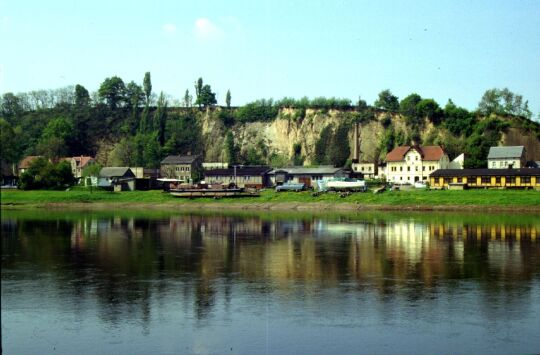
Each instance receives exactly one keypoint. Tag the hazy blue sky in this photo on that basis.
(438, 49)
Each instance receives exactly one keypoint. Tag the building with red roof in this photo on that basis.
(409, 164)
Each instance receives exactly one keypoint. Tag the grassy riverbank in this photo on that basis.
(447, 200)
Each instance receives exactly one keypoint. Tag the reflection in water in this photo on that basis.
(138, 269)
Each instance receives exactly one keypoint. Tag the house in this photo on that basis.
(510, 157)
(485, 178)
(308, 176)
(210, 166)
(182, 167)
(408, 164)
(368, 170)
(26, 162)
(78, 164)
(117, 178)
(241, 176)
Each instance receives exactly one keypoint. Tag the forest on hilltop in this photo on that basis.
(130, 125)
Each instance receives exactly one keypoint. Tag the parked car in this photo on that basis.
(290, 186)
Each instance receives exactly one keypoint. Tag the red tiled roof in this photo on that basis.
(428, 153)
(27, 161)
(82, 161)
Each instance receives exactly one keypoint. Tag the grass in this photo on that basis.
(494, 198)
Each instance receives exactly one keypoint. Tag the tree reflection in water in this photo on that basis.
(132, 265)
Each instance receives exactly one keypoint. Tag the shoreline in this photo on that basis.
(266, 206)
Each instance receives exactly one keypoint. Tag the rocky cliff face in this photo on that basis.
(281, 134)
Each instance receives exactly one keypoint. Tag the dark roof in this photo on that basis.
(300, 170)
(506, 152)
(180, 159)
(110, 172)
(485, 172)
(240, 171)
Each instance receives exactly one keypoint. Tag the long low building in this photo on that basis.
(241, 176)
(305, 175)
(525, 178)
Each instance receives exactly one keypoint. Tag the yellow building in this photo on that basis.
(526, 178)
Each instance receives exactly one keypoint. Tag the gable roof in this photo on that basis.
(240, 171)
(82, 161)
(110, 172)
(27, 161)
(428, 153)
(506, 152)
(300, 170)
(180, 159)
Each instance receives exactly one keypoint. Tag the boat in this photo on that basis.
(214, 191)
(346, 185)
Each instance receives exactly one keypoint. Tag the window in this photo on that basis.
(447, 180)
(416, 168)
(486, 180)
(416, 158)
(423, 168)
(497, 180)
(460, 179)
(400, 168)
(526, 180)
(408, 168)
(510, 180)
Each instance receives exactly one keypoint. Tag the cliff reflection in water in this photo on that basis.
(203, 260)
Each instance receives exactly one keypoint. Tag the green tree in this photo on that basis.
(8, 142)
(408, 106)
(207, 97)
(112, 91)
(323, 145)
(10, 106)
(340, 149)
(430, 109)
(82, 97)
(231, 149)
(503, 102)
(187, 99)
(147, 87)
(387, 101)
(160, 118)
(44, 175)
(198, 91)
(152, 150)
(228, 99)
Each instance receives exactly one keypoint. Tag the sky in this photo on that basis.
(272, 49)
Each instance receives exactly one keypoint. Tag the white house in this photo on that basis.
(511, 157)
(408, 164)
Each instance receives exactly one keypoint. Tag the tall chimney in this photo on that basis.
(356, 146)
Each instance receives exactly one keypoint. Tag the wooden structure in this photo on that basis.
(241, 176)
(526, 178)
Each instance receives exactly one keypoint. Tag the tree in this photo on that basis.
(55, 138)
(198, 90)
(231, 149)
(503, 102)
(10, 106)
(339, 149)
(42, 174)
(207, 97)
(82, 97)
(112, 91)
(323, 144)
(361, 104)
(387, 101)
(8, 142)
(147, 87)
(187, 99)
(160, 118)
(430, 109)
(228, 99)
(408, 106)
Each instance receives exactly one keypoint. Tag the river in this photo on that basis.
(142, 282)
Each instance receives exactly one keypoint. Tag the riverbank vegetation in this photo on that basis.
(414, 199)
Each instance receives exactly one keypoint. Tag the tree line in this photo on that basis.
(143, 126)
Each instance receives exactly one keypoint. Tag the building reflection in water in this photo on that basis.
(129, 263)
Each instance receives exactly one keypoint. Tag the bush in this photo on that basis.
(43, 174)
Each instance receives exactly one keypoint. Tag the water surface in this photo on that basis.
(161, 282)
